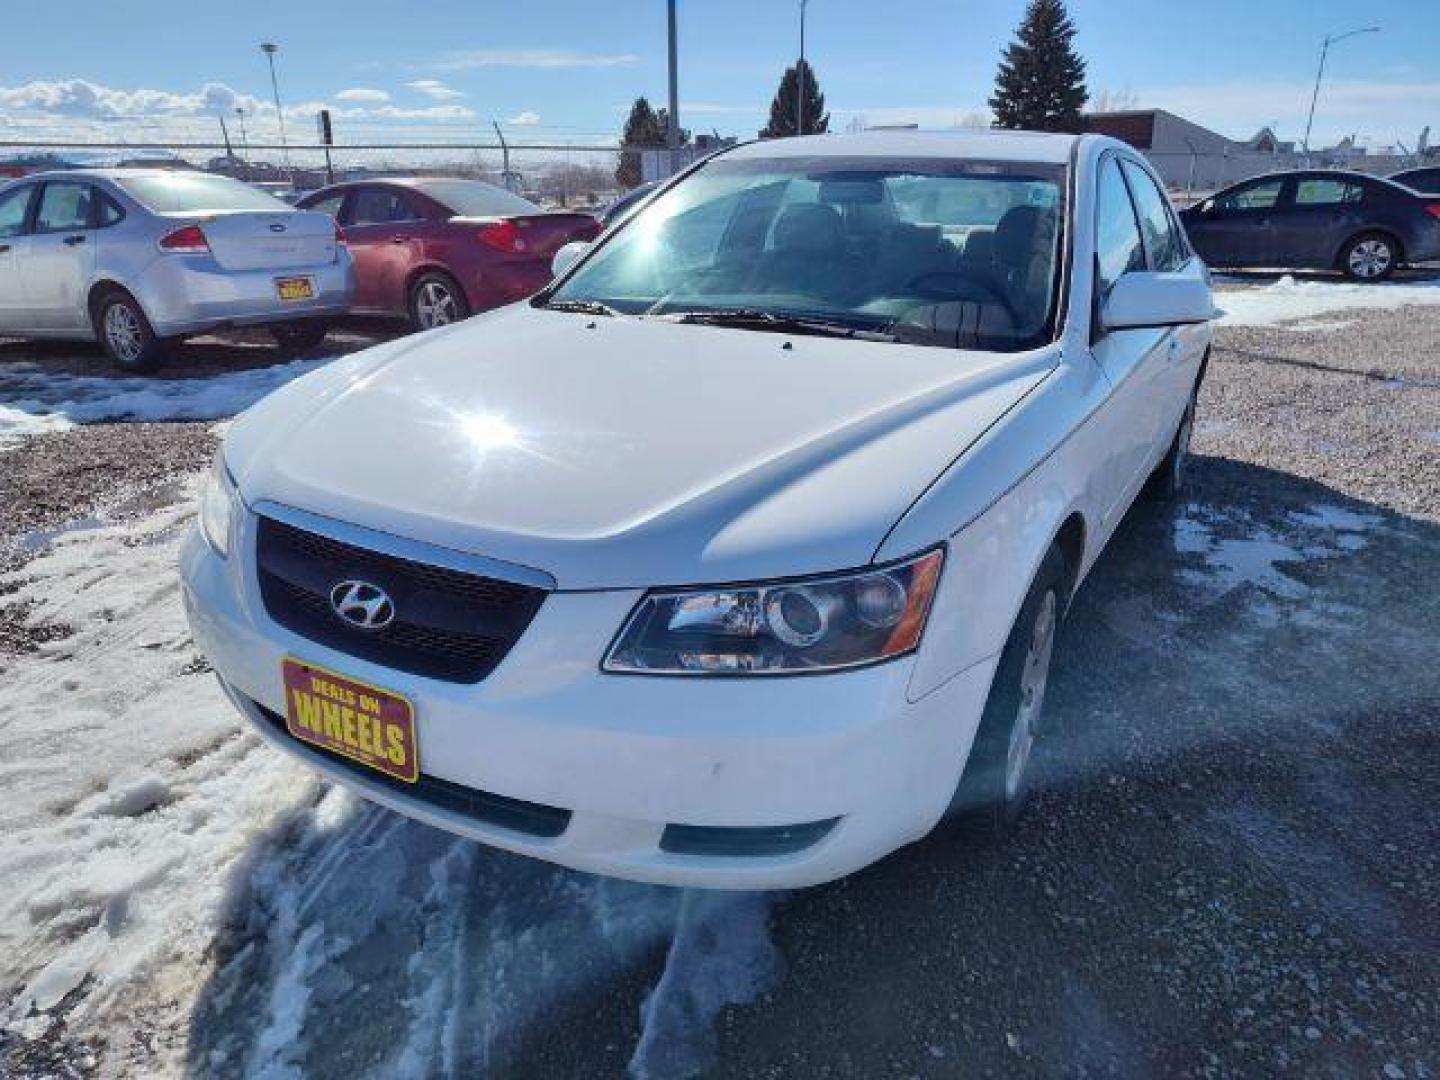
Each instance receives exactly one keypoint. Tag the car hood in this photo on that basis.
(619, 452)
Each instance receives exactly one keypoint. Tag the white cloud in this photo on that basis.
(533, 58)
(528, 118)
(83, 99)
(362, 94)
(434, 88)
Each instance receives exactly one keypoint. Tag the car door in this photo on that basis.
(60, 260)
(1316, 218)
(382, 230)
(1235, 228)
(14, 222)
(1178, 357)
(1133, 361)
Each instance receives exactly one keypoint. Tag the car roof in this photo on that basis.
(113, 173)
(981, 143)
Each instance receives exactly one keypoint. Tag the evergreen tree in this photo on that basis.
(643, 127)
(782, 109)
(1041, 82)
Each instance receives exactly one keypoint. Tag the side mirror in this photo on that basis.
(568, 256)
(1145, 300)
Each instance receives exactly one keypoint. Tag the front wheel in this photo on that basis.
(1370, 257)
(126, 335)
(994, 787)
(436, 300)
(1168, 479)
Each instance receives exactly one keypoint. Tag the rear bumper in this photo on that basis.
(504, 282)
(192, 294)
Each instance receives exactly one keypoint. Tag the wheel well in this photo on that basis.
(429, 268)
(1071, 542)
(98, 291)
(1386, 233)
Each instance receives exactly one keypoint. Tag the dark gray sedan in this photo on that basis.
(1362, 226)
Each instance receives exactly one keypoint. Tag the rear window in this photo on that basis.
(471, 198)
(188, 193)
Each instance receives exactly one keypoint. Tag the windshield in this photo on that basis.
(471, 198)
(931, 252)
(189, 193)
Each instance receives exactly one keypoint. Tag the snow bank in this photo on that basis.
(1288, 299)
(34, 401)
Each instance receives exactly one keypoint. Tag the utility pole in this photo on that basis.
(225, 134)
(244, 141)
(800, 77)
(672, 130)
(1320, 72)
(269, 48)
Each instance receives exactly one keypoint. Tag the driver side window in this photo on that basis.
(1118, 248)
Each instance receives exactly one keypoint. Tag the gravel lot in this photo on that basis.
(1232, 870)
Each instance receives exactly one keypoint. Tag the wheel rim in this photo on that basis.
(1370, 258)
(1033, 677)
(435, 305)
(123, 333)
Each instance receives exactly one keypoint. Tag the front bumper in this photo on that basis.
(627, 756)
(193, 294)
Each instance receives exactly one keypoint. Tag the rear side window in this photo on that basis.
(1255, 197)
(192, 193)
(1118, 247)
(109, 212)
(1327, 192)
(63, 207)
(378, 206)
(1162, 235)
(328, 205)
(13, 206)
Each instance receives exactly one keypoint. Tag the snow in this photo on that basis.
(34, 400)
(1287, 301)
(197, 904)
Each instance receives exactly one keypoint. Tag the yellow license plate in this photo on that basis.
(295, 288)
(364, 723)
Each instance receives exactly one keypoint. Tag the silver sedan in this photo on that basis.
(138, 258)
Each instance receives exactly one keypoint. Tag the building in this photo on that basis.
(1189, 157)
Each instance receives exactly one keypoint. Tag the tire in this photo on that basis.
(993, 789)
(1168, 479)
(126, 335)
(436, 299)
(298, 337)
(1370, 257)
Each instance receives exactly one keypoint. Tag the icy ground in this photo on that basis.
(1311, 305)
(166, 872)
(34, 400)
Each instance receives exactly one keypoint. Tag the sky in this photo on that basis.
(567, 70)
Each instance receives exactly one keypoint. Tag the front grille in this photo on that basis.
(517, 815)
(448, 624)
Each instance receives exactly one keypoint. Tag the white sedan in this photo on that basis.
(735, 557)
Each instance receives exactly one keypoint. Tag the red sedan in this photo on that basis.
(435, 250)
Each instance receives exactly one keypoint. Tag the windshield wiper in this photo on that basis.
(583, 307)
(760, 319)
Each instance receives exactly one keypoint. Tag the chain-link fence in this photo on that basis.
(555, 175)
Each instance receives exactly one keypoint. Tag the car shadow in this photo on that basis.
(1405, 275)
(1228, 868)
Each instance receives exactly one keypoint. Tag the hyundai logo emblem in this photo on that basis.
(275, 226)
(362, 604)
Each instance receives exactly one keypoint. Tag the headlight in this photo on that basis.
(218, 505)
(788, 627)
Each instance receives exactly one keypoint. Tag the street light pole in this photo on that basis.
(269, 48)
(1320, 73)
(672, 129)
(244, 140)
(800, 77)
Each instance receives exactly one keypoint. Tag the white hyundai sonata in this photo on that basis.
(735, 557)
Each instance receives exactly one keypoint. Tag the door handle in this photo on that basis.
(4, 248)
(71, 241)
(397, 239)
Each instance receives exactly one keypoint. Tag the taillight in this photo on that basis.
(1433, 209)
(504, 235)
(188, 240)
